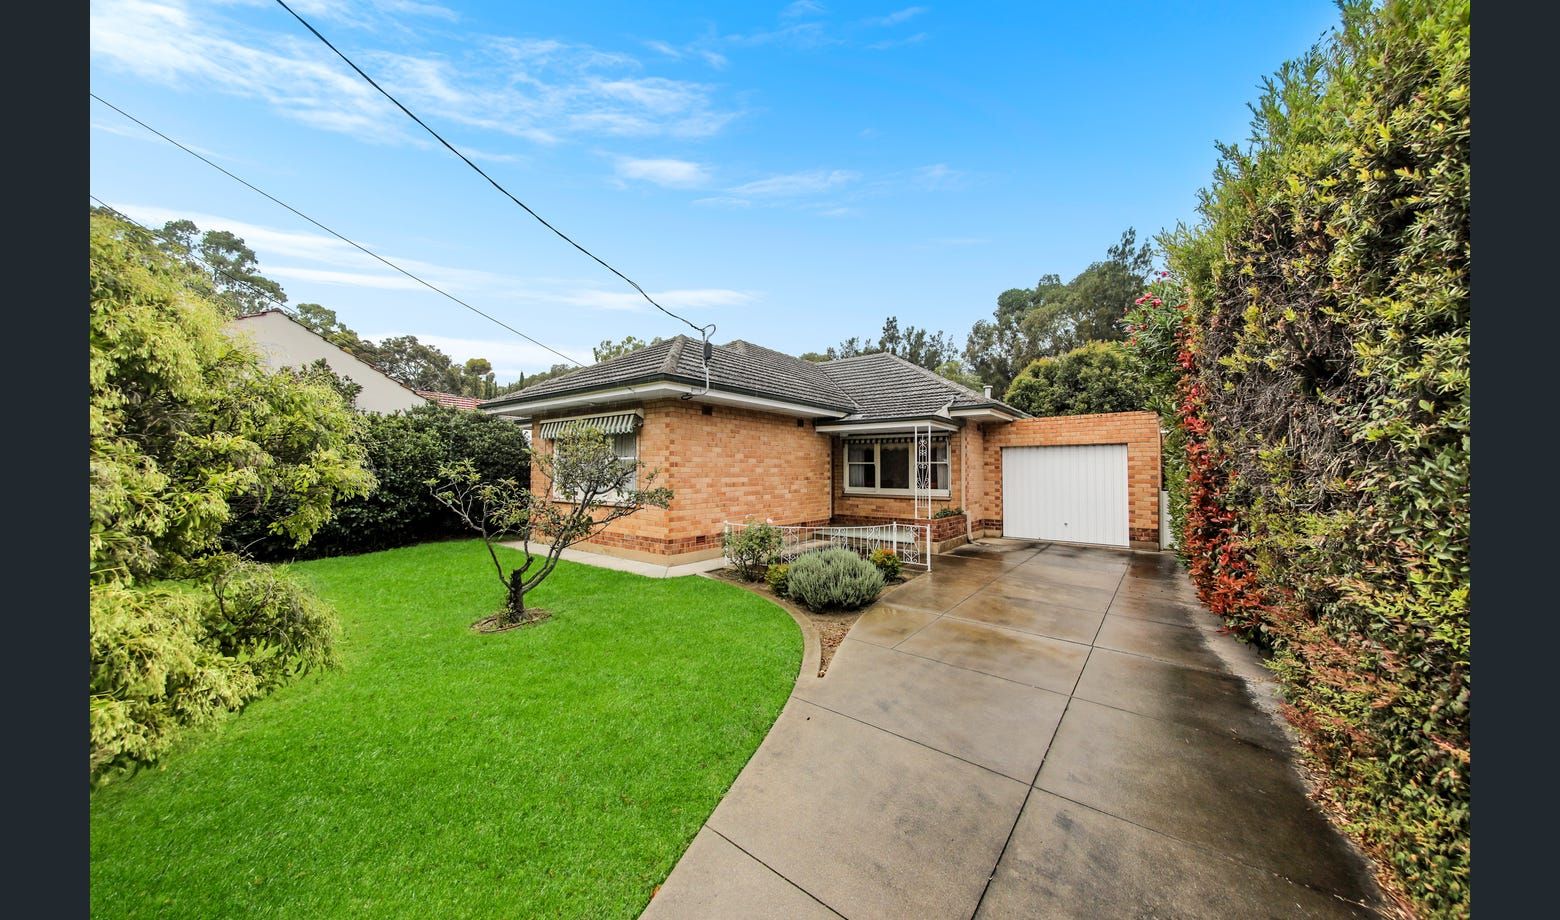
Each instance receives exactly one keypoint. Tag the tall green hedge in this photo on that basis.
(1095, 377)
(184, 425)
(404, 450)
(1327, 399)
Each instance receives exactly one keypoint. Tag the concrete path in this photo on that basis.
(1031, 730)
(617, 563)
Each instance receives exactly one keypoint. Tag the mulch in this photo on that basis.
(832, 625)
(494, 623)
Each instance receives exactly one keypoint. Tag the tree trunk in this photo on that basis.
(515, 612)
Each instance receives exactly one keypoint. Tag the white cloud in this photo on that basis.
(791, 185)
(888, 43)
(937, 176)
(723, 201)
(349, 279)
(694, 299)
(664, 172)
(896, 17)
(802, 8)
(337, 263)
(534, 89)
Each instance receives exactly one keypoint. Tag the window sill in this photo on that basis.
(895, 493)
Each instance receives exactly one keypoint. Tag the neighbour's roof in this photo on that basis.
(877, 387)
(452, 400)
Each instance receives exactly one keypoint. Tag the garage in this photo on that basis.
(1074, 494)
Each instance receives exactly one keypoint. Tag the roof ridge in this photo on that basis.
(673, 354)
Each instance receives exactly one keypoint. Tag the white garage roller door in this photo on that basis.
(1075, 494)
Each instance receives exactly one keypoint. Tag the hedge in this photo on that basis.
(405, 450)
(1324, 407)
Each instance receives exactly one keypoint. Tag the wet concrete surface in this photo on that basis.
(1030, 730)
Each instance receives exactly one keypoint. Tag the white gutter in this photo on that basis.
(984, 414)
(648, 391)
(868, 427)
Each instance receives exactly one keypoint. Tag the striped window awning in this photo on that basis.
(893, 438)
(616, 423)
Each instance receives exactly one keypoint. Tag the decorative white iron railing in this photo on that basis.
(913, 542)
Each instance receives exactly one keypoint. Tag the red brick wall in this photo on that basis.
(726, 466)
(1138, 430)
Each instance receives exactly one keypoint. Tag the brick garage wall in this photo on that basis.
(1138, 430)
(726, 466)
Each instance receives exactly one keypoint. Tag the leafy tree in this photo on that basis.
(325, 323)
(914, 344)
(851, 348)
(609, 349)
(412, 362)
(597, 487)
(183, 420)
(954, 370)
(557, 370)
(1052, 318)
(1098, 377)
(813, 356)
(235, 278)
(345, 386)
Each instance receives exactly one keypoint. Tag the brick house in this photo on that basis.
(865, 440)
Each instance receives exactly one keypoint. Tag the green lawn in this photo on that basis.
(557, 770)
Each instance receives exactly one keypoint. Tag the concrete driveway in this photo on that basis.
(1032, 730)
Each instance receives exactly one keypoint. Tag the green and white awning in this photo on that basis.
(616, 423)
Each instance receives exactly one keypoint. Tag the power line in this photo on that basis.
(353, 243)
(703, 331)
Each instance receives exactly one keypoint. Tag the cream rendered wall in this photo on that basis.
(285, 343)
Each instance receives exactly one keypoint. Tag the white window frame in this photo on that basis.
(611, 498)
(877, 466)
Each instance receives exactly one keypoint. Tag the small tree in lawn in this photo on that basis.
(588, 487)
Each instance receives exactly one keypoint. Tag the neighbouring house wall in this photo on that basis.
(283, 342)
(726, 466)
(1138, 430)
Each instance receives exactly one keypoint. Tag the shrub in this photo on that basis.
(1098, 377)
(752, 548)
(778, 575)
(405, 449)
(277, 627)
(172, 655)
(948, 512)
(887, 562)
(1326, 410)
(185, 424)
(834, 578)
(151, 673)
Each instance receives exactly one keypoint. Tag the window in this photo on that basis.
(626, 448)
(886, 466)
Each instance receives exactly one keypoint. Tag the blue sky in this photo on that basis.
(791, 172)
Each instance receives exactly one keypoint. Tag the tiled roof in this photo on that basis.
(875, 387)
(889, 387)
(450, 399)
(736, 366)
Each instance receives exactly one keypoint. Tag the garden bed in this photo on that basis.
(832, 626)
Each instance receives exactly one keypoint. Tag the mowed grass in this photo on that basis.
(557, 770)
